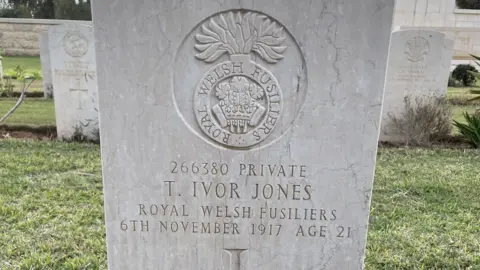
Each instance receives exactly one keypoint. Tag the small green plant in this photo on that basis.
(464, 74)
(19, 71)
(26, 80)
(470, 130)
(7, 87)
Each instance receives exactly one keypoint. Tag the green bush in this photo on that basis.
(468, 4)
(20, 11)
(471, 130)
(7, 88)
(46, 9)
(462, 74)
(454, 83)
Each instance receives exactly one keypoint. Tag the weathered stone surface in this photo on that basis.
(74, 78)
(239, 135)
(46, 67)
(447, 63)
(415, 71)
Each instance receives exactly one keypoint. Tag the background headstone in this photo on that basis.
(415, 70)
(239, 135)
(46, 67)
(72, 57)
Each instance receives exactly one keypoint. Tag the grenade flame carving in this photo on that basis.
(416, 49)
(241, 34)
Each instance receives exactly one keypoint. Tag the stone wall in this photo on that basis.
(460, 25)
(21, 36)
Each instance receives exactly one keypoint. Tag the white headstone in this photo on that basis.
(239, 135)
(46, 67)
(415, 70)
(72, 57)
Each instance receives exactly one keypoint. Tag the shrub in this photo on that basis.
(462, 74)
(471, 130)
(7, 87)
(424, 121)
(453, 83)
(468, 4)
(21, 11)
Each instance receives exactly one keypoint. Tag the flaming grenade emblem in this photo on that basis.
(417, 49)
(239, 102)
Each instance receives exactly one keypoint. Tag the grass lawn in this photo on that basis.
(31, 63)
(459, 110)
(33, 112)
(425, 209)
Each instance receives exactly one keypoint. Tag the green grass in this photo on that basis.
(31, 63)
(33, 112)
(459, 110)
(51, 206)
(425, 208)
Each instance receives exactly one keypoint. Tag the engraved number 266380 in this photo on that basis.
(204, 168)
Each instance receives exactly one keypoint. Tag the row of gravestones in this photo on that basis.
(239, 135)
(418, 67)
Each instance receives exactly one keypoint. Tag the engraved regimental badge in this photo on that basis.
(75, 44)
(239, 79)
(416, 49)
(239, 102)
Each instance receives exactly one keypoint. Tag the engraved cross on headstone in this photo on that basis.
(235, 259)
(79, 89)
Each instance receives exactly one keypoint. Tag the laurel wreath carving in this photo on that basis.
(238, 33)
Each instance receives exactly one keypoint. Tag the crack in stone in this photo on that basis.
(331, 38)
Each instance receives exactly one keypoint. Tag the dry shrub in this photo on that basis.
(424, 121)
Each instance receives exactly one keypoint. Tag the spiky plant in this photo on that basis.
(470, 130)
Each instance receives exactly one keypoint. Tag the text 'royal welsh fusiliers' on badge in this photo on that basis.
(238, 102)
